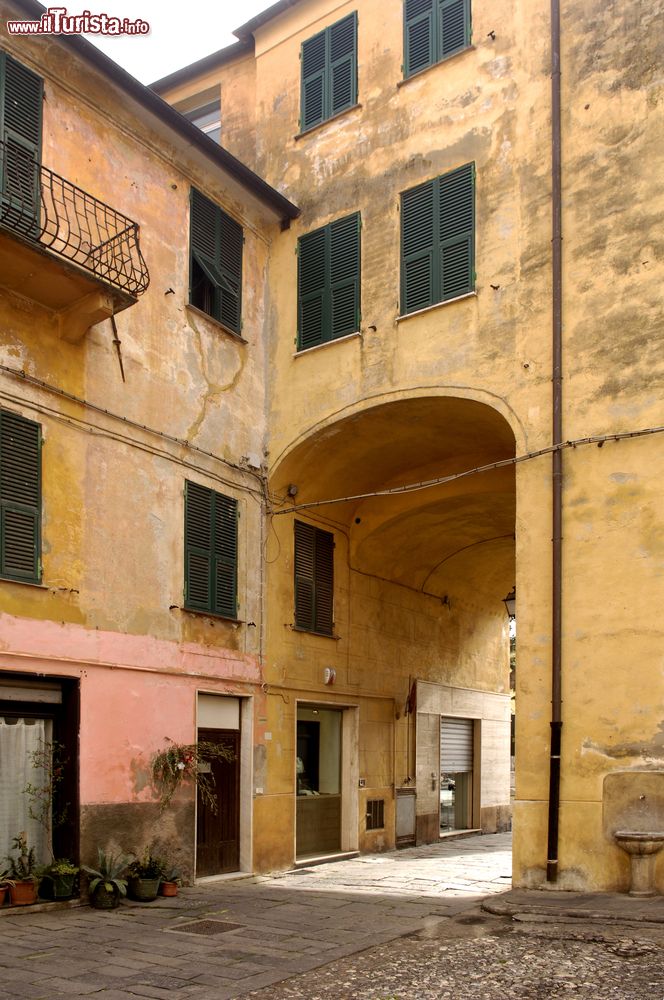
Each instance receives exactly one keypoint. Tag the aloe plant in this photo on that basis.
(108, 873)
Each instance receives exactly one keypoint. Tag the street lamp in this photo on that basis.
(510, 603)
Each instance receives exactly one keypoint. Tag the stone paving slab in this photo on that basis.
(289, 923)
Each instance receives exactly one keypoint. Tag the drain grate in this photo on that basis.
(207, 927)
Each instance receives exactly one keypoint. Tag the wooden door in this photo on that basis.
(218, 834)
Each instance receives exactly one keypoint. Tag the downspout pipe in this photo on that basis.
(557, 458)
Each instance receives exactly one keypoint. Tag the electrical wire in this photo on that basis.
(598, 439)
(183, 443)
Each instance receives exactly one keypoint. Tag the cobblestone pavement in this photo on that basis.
(400, 926)
(482, 957)
(224, 939)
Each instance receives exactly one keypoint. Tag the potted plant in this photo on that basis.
(144, 877)
(5, 884)
(61, 875)
(107, 884)
(24, 878)
(171, 880)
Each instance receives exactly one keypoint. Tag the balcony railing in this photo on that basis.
(50, 211)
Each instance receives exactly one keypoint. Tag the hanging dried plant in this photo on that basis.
(188, 762)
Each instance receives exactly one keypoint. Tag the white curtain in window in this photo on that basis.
(19, 738)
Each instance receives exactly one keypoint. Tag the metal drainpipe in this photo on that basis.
(557, 431)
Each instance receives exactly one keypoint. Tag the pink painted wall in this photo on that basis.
(135, 692)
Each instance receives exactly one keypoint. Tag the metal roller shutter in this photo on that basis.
(456, 745)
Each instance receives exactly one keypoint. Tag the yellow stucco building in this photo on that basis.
(132, 437)
(372, 341)
(473, 279)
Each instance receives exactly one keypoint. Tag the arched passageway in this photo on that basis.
(406, 613)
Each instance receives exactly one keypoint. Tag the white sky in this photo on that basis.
(179, 35)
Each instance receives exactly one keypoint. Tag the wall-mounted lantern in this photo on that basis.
(510, 603)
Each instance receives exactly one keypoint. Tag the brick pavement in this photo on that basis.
(284, 924)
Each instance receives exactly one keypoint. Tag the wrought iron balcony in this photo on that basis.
(56, 215)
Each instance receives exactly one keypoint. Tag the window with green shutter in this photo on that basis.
(328, 282)
(20, 498)
(438, 240)
(21, 96)
(216, 243)
(329, 72)
(210, 551)
(314, 578)
(433, 30)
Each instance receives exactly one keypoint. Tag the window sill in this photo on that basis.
(321, 635)
(427, 69)
(24, 583)
(328, 343)
(207, 614)
(436, 305)
(314, 128)
(215, 322)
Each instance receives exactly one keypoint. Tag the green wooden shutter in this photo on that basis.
(225, 555)
(456, 231)
(314, 81)
(313, 306)
(304, 575)
(324, 582)
(419, 35)
(216, 243)
(197, 546)
(329, 72)
(20, 497)
(231, 242)
(210, 545)
(344, 244)
(314, 578)
(342, 76)
(453, 26)
(329, 282)
(21, 97)
(418, 273)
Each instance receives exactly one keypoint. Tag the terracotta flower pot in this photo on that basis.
(3, 893)
(23, 893)
(168, 889)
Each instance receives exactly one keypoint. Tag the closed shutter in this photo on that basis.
(329, 282)
(225, 555)
(419, 35)
(343, 64)
(438, 240)
(314, 78)
(417, 248)
(21, 96)
(456, 745)
(344, 242)
(454, 26)
(456, 231)
(216, 243)
(314, 578)
(434, 29)
(20, 497)
(313, 309)
(305, 546)
(210, 541)
(324, 567)
(198, 561)
(329, 72)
